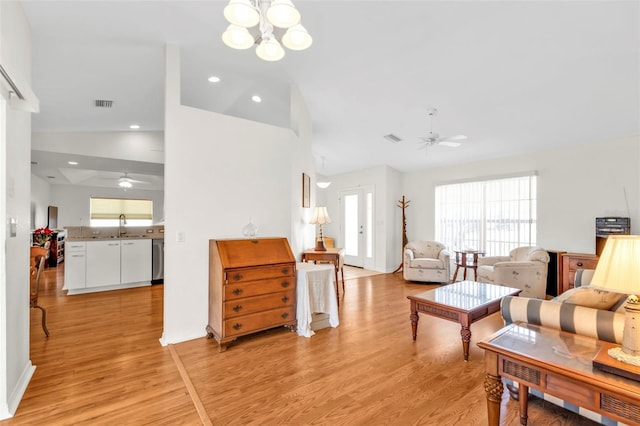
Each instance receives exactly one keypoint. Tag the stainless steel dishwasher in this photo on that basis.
(157, 261)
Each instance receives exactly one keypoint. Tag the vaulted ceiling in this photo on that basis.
(512, 76)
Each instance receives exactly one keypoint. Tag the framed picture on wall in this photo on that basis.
(306, 190)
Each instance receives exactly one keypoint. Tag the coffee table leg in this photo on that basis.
(465, 333)
(414, 319)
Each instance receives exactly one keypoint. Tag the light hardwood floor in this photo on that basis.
(103, 365)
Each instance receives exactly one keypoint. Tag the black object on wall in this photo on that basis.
(52, 217)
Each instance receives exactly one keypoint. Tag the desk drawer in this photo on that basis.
(260, 273)
(257, 288)
(259, 321)
(250, 305)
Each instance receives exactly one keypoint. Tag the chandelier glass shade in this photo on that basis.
(268, 23)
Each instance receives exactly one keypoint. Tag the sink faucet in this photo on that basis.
(122, 221)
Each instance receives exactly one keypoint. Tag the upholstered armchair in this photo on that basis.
(525, 268)
(426, 261)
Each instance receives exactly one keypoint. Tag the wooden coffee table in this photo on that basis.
(464, 302)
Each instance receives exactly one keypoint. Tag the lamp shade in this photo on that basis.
(270, 50)
(242, 13)
(237, 37)
(297, 38)
(320, 216)
(283, 14)
(619, 265)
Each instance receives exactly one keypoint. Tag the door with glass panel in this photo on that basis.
(357, 227)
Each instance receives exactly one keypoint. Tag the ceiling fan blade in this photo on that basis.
(449, 144)
(456, 138)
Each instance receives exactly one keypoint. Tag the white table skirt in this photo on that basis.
(315, 293)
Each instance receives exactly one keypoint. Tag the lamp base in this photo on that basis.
(320, 245)
(605, 360)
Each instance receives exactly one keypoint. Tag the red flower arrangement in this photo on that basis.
(42, 235)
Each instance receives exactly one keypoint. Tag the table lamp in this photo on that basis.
(320, 217)
(618, 270)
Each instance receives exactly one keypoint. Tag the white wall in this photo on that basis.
(575, 185)
(386, 183)
(73, 202)
(134, 146)
(40, 201)
(220, 171)
(15, 367)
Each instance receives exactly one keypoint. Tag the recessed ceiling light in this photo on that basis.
(134, 126)
(214, 79)
(256, 98)
(73, 163)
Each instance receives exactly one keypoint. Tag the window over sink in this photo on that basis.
(121, 212)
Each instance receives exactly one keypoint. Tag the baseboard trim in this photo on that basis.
(9, 409)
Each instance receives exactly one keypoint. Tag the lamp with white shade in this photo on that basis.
(618, 270)
(320, 217)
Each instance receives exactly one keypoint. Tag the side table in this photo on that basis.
(467, 259)
(332, 255)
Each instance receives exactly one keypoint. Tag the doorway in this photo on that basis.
(358, 226)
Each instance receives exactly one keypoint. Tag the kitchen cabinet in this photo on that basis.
(135, 261)
(75, 265)
(103, 263)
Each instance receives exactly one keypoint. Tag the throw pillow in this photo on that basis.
(591, 298)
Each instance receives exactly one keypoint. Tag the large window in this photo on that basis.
(108, 211)
(493, 216)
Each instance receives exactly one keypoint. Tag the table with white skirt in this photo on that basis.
(315, 294)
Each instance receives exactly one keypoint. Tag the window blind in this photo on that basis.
(112, 208)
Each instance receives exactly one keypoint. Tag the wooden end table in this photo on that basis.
(467, 259)
(559, 364)
(332, 255)
(464, 302)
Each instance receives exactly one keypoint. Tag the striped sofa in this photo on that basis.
(601, 324)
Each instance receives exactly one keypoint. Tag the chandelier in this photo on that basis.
(267, 23)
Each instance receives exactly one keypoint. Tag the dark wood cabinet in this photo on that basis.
(252, 287)
(572, 262)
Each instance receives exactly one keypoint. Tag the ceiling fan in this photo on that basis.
(434, 138)
(125, 181)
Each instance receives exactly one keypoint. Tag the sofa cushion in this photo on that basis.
(590, 297)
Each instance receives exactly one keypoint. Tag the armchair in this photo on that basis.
(426, 261)
(525, 268)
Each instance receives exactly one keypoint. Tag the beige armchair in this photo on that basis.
(525, 268)
(426, 261)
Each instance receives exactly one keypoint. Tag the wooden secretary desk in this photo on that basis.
(252, 287)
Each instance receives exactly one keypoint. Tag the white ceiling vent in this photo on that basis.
(103, 103)
(392, 138)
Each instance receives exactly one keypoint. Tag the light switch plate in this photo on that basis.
(13, 227)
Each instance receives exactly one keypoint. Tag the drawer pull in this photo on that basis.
(285, 271)
(237, 277)
(237, 326)
(285, 284)
(284, 315)
(579, 263)
(285, 299)
(237, 308)
(237, 291)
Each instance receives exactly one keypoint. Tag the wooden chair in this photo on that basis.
(37, 266)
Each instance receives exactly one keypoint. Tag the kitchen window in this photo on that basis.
(121, 211)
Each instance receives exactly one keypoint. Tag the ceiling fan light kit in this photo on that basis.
(262, 17)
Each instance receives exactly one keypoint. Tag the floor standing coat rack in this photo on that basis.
(403, 205)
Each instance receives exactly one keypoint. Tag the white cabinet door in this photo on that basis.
(135, 261)
(75, 265)
(103, 263)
